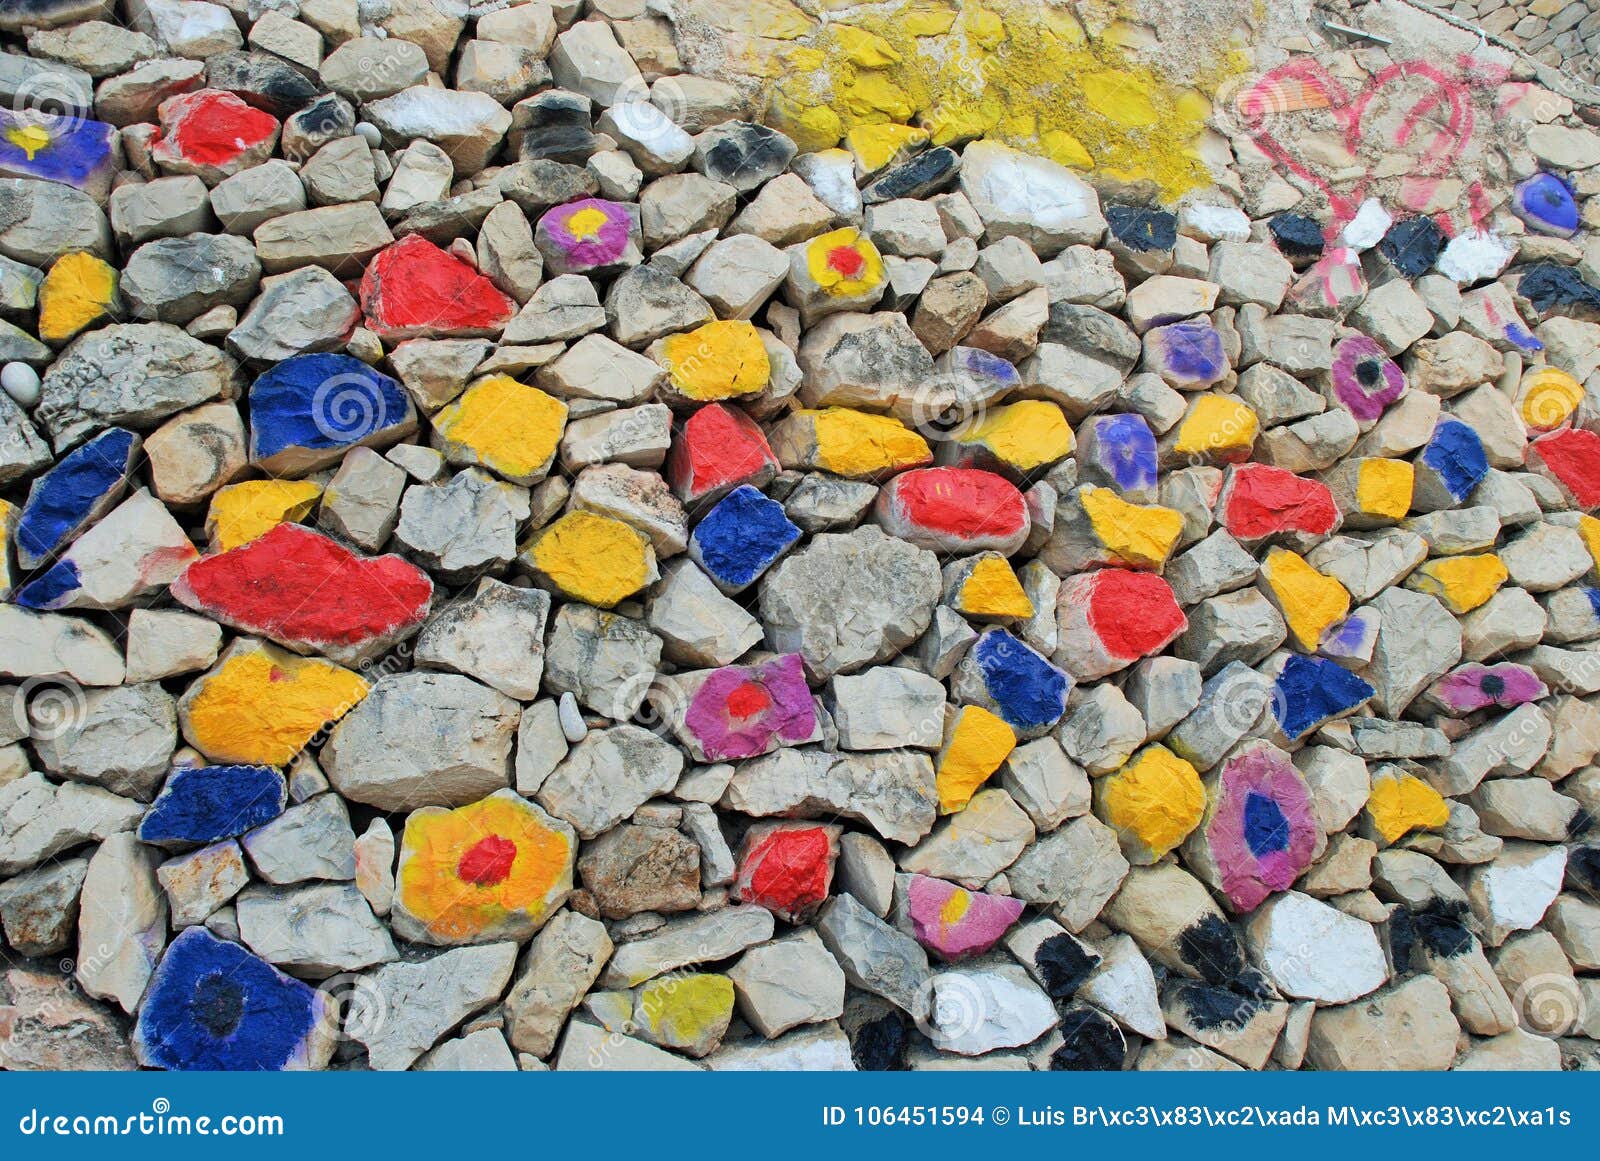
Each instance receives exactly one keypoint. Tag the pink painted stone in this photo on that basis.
(1261, 830)
(717, 449)
(413, 290)
(743, 711)
(955, 923)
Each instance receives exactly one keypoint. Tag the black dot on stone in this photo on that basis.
(1492, 684)
(218, 1004)
(1369, 373)
(1297, 235)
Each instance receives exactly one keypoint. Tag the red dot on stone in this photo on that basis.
(847, 260)
(487, 862)
(748, 700)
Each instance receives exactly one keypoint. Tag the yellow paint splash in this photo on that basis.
(593, 559)
(241, 512)
(993, 592)
(858, 444)
(1401, 803)
(979, 743)
(1152, 802)
(1461, 582)
(508, 427)
(1589, 529)
(29, 138)
(1383, 488)
(1310, 601)
(1548, 397)
(1219, 427)
(682, 1011)
(844, 262)
(262, 704)
(79, 291)
(1025, 435)
(719, 360)
(1139, 536)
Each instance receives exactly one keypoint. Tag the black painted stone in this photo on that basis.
(1065, 964)
(742, 154)
(879, 1045)
(925, 174)
(1296, 235)
(1092, 1042)
(322, 121)
(1412, 245)
(556, 126)
(1212, 949)
(1550, 287)
(1141, 228)
(262, 80)
(1211, 1008)
(1441, 929)
(1582, 823)
(1583, 868)
(537, 185)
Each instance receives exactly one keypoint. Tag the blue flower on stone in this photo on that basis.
(213, 1006)
(202, 804)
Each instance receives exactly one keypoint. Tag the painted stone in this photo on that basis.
(213, 1006)
(8, 528)
(839, 270)
(1461, 583)
(1412, 245)
(203, 804)
(78, 292)
(1545, 204)
(1311, 602)
(71, 150)
(1310, 692)
(308, 411)
(1218, 429)
(1474, 687)
(1450, 466)
(951, 921)
(260, 705)
(1363, 379)
(1153, 801)
(1400, 803)
(686, 1011)
(986, 588)
(309, 593)
(1187, 355)
(1589, 533)
(413, 289)
(723, 359)
(1547, 397)
(1261, 831)
(1296, 235)
(1372, 492)
(1352, 641)
(1570, 458)
(787, 867)
(491, 870)
(1260, 502)
(976, 746)
(717, 449)
(241, 512)
(875, 146)
(588, 236)
(954, 510)
(1009, 677)
(1119, 451)
(134, 551)
(1018, 440)
(857, 445)
(739, 539)
(1111, 618)
(1095, 526)
(82, 487)
(1334, 284)
(1142, 229)
(593, 559)
(1550, 287)
(212, 134)
(744, 711)
(509, 428)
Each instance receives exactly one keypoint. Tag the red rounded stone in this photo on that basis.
(1573, 458)
(788, 871)
(1133, 613)
(487, 862)
(717, 449)
(212, 127)
(413, 289)
(1266, 501)
(962, 502)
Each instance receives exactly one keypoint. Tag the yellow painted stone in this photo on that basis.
(1401, 803)
(1461, 582)
(829, 262)
(1120, 97)
(875, 146)
(1589, 529)
(1062, 147)
(78, 292)
(1383, 488)
(864, 48)
(505, 426)
(977, 746)
(992, 590)
(1547, 397)
(928, 19)
(874, 93)
(241, 512)
(1138, 535)
(859, 444)
(810, 126)
(682, 1011)
(719, 360)
(1152, 802)
(1219, 426)
(1311, 602)
(593, 559)
(261, 704)
(1025, 435)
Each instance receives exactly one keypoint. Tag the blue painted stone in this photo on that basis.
(1188, 355)
(1520, 336)
(1594, 598)
(1456, 453)
(991, 375)
(1545, 203)
(1029, 692)
(1266, 830)
(1412, 245)
(1354, 637)
(202, 804)
(61, 148)
(214, 1006)
(1312, 691)
(740, 538)
(1296, 235)
(1142, 229)
(1550, 287)
(307, 411)
(73, 495)
(51, 589)
(1126, 450)
(925, 174)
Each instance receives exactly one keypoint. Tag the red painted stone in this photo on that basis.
(1133, 613)
(413, 289)
(954, 509)
(787, 868)
(309, 593)
(717, 449)
(1260, 501)
(1572, 459)
(210, 128)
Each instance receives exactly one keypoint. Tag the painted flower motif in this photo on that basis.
(591, 232)
(212, 1006)
(1476, 687)
(745, 710)
(493, 869)
(1262, 832)
(844, 262)
(1365, 379)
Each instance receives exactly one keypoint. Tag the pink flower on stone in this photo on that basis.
(738, 711)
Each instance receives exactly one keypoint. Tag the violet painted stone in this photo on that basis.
(1187, 355)
(1119, 451)
(1261, 830)
(952, 922)
(1470, 688)
(742, 711)
(1364, 379)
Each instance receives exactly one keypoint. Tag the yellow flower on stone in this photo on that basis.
(1547, 397)
(844, 262)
